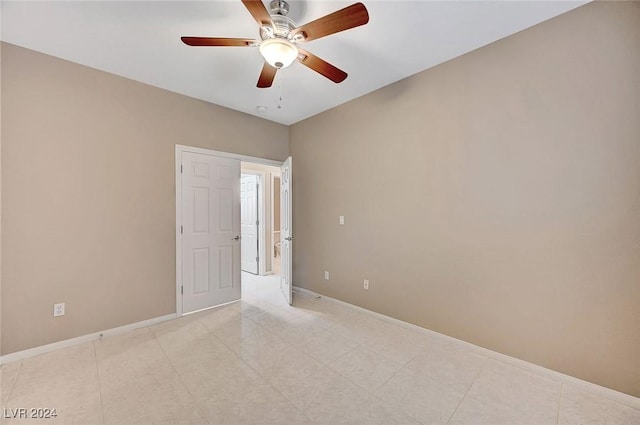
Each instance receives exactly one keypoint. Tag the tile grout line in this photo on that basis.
(251, 318)
(373, 393)
(559, 403)
(465, 394)
(367, 391)
(297, 347)
(270, 331)
(345, 377)
(95, 357)
(13, 382)
(385, 356)
(206, 418)
(257, 372)
(260, 374)
(402, 366)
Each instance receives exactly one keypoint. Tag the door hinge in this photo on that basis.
(182, 290)
(181, 230)
(180, 168)
(257, 222)
(257, 259)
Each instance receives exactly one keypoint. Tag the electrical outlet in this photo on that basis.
(326, 275)
(366, 284)
(58, 310)
(341, 219)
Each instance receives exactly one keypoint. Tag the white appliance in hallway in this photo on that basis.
(249, 222)
(210, 231)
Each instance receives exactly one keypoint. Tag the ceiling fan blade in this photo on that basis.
(259, 12)
(321, 67)
(266, 76)
(217, 41)
(344, 19)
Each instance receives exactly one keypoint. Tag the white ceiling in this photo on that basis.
(141, 40)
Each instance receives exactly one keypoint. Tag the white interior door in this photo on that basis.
(210, 231)
(286, 231)
(249, 222)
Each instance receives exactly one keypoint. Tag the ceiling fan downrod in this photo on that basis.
(279, 7)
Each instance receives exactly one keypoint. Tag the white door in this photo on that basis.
(286, 231)
(211, 231)
(249, 222)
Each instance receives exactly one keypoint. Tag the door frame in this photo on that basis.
(179, 149)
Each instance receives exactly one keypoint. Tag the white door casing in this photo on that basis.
(249, 185)
(210, 188)
(286, 231)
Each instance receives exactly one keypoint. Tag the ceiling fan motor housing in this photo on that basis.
(282, 25)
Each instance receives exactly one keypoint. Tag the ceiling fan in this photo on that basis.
(279, 38)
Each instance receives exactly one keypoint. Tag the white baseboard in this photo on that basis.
(585, 386)
(31, 352)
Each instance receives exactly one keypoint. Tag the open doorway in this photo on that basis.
(260, 213)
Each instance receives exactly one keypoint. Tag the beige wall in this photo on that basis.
(494, 198)
(88, 193)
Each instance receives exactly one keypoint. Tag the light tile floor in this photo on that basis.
(260, 361)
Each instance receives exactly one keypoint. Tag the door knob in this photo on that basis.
(289, 238)
(237, 238)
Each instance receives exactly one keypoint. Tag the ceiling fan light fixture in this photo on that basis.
(278, 52)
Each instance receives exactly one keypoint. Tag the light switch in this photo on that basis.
(341, 219)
